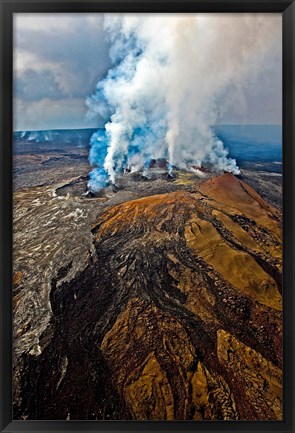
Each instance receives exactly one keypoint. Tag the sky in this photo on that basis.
(60, 58)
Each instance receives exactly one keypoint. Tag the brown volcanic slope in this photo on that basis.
(177, 316)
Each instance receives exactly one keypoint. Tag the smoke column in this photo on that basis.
(172, 77)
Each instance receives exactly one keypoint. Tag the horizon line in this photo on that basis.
(96, 127)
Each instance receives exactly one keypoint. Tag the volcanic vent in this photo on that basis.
(157, 176)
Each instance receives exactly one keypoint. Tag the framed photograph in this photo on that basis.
(147, 216)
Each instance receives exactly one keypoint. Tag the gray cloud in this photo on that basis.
(59, 58)
(34, 85)
(262, 99)
(51, 114)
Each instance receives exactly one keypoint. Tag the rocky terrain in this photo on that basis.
(161, 300)
(266, 179)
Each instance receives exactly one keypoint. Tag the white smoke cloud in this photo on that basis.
(172, 77)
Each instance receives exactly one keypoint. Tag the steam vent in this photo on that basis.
(171, 311)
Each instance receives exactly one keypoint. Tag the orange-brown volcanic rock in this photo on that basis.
(178, 316)
(241, 198)
(17, 279)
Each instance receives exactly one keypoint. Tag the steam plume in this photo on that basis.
(172, 77)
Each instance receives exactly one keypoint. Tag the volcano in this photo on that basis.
(175, 314)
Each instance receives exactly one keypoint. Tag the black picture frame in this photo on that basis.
(8, 8)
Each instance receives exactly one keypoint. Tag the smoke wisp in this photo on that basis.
(171, 79)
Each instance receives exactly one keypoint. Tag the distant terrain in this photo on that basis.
(157, 299)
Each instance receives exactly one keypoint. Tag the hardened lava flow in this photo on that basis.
(174, 311)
